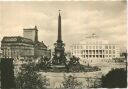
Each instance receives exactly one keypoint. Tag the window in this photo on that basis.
(82, 52)
(106, 47)
(113, 51)
(100, 51)
(77, 47)
(109, 51)
(113, 47)
(90, 51)
(86, 47)
(109, 47)
(106, 51)
(100, 47)
(89, 47)
(94, 51)
(96, 47)
(87, 51)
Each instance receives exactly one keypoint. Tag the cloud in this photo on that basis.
(105, 18)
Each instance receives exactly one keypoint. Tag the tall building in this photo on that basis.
(95, 50)
(17, 47)
(31, 33)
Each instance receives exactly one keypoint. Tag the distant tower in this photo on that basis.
(59, 56)
(36, 34)
(31, 33)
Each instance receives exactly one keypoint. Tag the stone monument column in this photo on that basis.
(59, 55)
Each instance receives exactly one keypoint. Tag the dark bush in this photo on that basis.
(116, 78)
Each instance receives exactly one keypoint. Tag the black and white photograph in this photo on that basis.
(63, 44)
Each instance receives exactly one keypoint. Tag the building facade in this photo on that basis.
(95, 50)
(41, 50)
(26, 46)
(0, 53)
(23, 49)
(17, 47)
(31, 33)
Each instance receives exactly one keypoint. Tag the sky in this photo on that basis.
(107, 19)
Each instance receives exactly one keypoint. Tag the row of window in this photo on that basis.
(92, 51)
(95, 52)
(110, 51)
(16, 53)
(94, 47)
(77, 47)
(97, 56)
(10, 54)
(110, 47)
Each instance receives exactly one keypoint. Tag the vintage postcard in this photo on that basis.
(63, 44)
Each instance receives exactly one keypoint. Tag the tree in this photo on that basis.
(74, 65)
(71, 82)
(43, 64)
(74, 61)
(116, 78)
(30, 79)
(7, 73)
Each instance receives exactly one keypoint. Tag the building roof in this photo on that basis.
(94, 41)
(16, 39)
(41, 45)
(35, 28)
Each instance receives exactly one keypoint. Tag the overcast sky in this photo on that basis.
(107, 19)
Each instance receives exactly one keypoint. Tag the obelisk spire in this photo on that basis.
(59, 56)
(59, 28)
